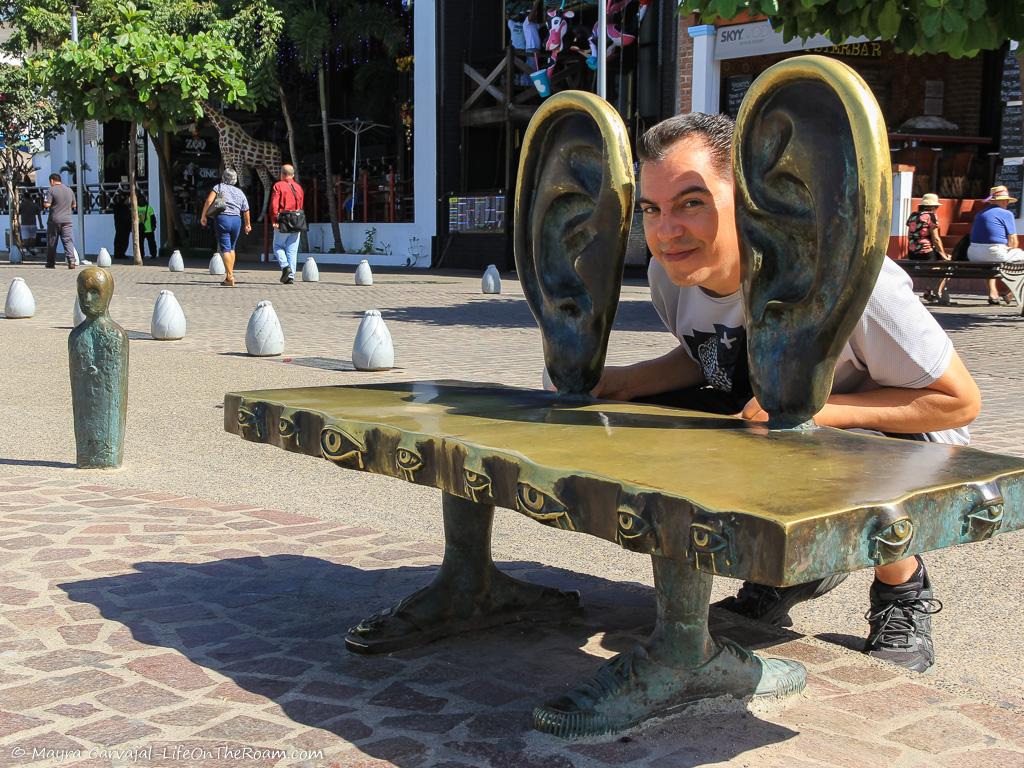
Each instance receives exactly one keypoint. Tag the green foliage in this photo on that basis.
(134, 69)
(954, 27)
(25, 110)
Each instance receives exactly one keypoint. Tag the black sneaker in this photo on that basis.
(901, 622)
(771, 605)
(291, 277)
(286, 275)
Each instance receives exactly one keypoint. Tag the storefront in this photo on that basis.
(947, 118)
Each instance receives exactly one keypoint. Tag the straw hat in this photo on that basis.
(1000, 193)
(931, 200)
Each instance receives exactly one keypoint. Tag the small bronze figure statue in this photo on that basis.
(98, 358)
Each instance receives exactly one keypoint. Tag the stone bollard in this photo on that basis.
(103, 258)
(176, 264)
(98, 361)
(168, 323)
(264, 336)
(372, 349)
(217, 265)
(310, 271)
(364, 276)
(20, 301)
(491, 282)
(15, 254)
(77, 316)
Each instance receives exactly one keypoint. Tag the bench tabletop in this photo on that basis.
(737, 499)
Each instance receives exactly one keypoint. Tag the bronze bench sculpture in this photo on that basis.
(817, 501)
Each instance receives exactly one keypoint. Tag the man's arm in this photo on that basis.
(951, 401)
(673, 370)
(275, 204)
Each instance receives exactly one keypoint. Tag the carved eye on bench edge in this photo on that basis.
(542, 507)
(409, 463)
(478, 485)
(706, 540)
(340, 447)
(892, 541)
(984, 520)
(631, 525)
(285, 427)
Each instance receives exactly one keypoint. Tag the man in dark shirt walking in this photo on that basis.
(60, 202)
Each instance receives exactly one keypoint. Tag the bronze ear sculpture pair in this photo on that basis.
(812, 234)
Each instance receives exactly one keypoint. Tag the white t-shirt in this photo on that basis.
(897, 342)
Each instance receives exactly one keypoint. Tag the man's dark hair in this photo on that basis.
(54, 177)
(715, 131)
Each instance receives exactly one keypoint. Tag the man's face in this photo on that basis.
(689, 222)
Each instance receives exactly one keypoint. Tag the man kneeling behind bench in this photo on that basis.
(898, 374)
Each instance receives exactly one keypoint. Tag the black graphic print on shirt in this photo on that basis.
(722, 357)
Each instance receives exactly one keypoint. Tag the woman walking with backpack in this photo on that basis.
(229, 204)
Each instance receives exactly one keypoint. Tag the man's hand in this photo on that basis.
(202, 220)
(615, 384)
(248, 228)
(275, 225)
(753, 411)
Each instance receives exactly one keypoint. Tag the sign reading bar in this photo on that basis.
(758, 38)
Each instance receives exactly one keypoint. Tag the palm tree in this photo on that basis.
(315, 27)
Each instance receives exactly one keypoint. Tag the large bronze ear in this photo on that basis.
(573, 208)
(813, 205)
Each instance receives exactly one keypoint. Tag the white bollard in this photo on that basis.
(20, 301)
(264, 336)
(364, 276)
(176, 264)
(372, 349)
(77, 315)
(310, 271)
(217, 265)
(15, 255)
(168, 323)
(103, 258)
(546, 383)
(491, 282)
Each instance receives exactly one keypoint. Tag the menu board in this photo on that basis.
(1011, 135)
(736, 88)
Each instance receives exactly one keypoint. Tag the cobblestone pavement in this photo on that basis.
(193, 603)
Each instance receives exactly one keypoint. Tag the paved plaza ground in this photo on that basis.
(189, 608)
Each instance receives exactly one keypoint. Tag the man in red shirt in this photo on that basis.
(287, 195)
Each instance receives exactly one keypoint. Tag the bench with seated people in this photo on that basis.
(780, 503)
(1011, 273)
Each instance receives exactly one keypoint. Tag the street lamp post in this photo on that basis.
(80, 174)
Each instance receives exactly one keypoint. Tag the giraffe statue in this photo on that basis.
(241, 151)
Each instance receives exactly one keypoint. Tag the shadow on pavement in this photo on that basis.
(37, 463)
(275, 627)
(510, 312)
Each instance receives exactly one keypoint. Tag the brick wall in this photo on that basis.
(685, 62)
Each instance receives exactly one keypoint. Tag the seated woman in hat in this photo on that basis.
(994, 236)
(925, 243)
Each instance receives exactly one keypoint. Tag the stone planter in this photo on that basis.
(373, 350)
(217, 265)
(264, 336)
(103, 258)
(491, 282)
(168, 323)
(20, 301)
(364, 275)
(310, 271)
(176, 264)
(77, 315)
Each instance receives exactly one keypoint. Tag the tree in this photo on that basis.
(314, 27)
(132, 68)
(954, 27)
(26, 115)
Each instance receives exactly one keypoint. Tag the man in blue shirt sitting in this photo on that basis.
(994, 236)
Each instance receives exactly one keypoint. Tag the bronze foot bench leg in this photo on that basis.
(468, 593)
(679, 665)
